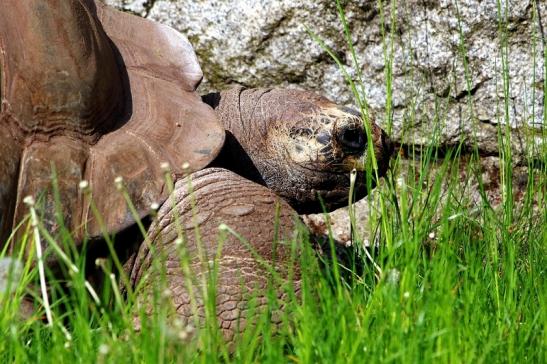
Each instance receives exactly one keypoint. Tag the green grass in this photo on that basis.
(453, 280)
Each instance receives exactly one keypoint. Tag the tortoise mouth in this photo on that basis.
(331, 194)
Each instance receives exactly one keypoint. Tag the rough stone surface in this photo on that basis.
(266, 42)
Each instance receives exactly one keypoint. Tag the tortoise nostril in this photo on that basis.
(353, 139)
(323, 138)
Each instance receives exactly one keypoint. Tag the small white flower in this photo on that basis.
(29, 201)
(100, 262)
(352, 177)
(118, 181)
(431, 235)
(348, 243)
(103, 349)
(165, 167)
(167, 293)
(83, 185)
(185, 165)
(154, 206)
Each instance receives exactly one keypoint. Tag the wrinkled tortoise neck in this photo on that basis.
(239, 111)
(246, 132)
(255, 120)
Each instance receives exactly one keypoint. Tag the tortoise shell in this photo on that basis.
(95, 94)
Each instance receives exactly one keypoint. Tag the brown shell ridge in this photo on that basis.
(51, 71)
(167, 122)
(162, 120)
(166, 54)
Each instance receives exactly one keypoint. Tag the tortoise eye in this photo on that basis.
(352, 140)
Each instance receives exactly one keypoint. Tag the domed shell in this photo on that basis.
(94, 94)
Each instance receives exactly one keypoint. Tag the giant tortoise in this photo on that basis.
(98, 95)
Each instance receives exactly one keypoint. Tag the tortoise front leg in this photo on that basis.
(190, 231)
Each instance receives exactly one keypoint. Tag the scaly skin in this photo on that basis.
(218, 196)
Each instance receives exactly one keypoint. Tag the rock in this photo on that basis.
(266, 42)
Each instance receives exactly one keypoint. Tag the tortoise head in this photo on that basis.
(300, 145)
